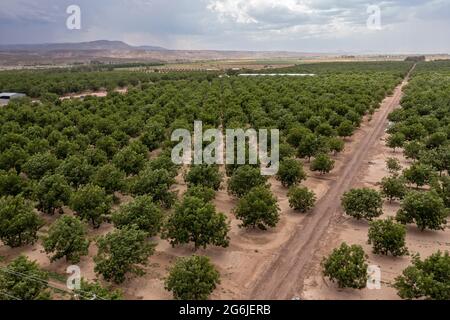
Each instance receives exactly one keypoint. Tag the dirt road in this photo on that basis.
(287, 270)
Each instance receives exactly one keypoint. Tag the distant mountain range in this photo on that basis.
(118, 51)
(57, 54)
(100, 45)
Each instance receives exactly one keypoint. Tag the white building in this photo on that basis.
(5, 97)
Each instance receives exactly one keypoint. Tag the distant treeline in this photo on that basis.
(101, 66)
(398, 67)
(40, 83)
(416, 58)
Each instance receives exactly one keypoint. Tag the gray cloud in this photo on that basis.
(302, 25)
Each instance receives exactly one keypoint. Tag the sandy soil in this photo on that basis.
(284, 276)
(240, 265)
(99, 94)
(345, 229)
(282, 262)
(354, 232)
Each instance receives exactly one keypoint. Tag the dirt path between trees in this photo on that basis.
(286, 273)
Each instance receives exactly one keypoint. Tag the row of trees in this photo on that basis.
(193, 278)
(313, 113)
(126, 250)
(429, 278)
(81, 153)
(23, 279)
(421, 129)
(427, 209)
(45, 83)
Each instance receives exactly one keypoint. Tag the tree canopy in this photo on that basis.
(23, 279)
(258, 209)
(429, 278)
(425, 209)
(198, 222)
(193, 278)
(91, 203)
(347, 266)
(244, 179)
(19, 224)
(362, 204)
(204, 175)
(67, 237)
(123, 251)
(290, 172)
(301, 199)
(386, 237)
(143, 213)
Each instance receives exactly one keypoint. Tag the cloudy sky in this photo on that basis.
(295, 25)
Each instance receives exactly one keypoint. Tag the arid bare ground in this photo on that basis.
(345, 229)
(240, 265)
(258, 264)
(354, 232)
(283, 277)
(99, 94)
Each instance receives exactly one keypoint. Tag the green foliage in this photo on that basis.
(91, 203)
(109, 178)
(258, 209)
(346, 129)
(438, 159)
(52, 192)
(413, 150)
(156, 183)
(363, 204)
(286, 151)
(66, 238)
(141, 212)
(19, 224)
(386, 237)
(296, 135)
(197, 222)
(95, 157)
(309, 146)
(436, 140)
(425, 209)
(290, 173)
(414, 131)
(418, 174)
(301, 199)
(76, 170)
(107, 144)
(201, 192)
(24, 280)
(204, 175)
(153, 135)
(123, 251)
(325, 129)
(193, 278)
(40, 164)
(393, 165)
(163, 162)
(95, 291)
(442, 187)
(396, 140)
(336, 145)
(322, 163)
(129, 161)
(244, 179)
(12, 184)
(347, 267)
(428, 279)
(393, 188)
(13, 158)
